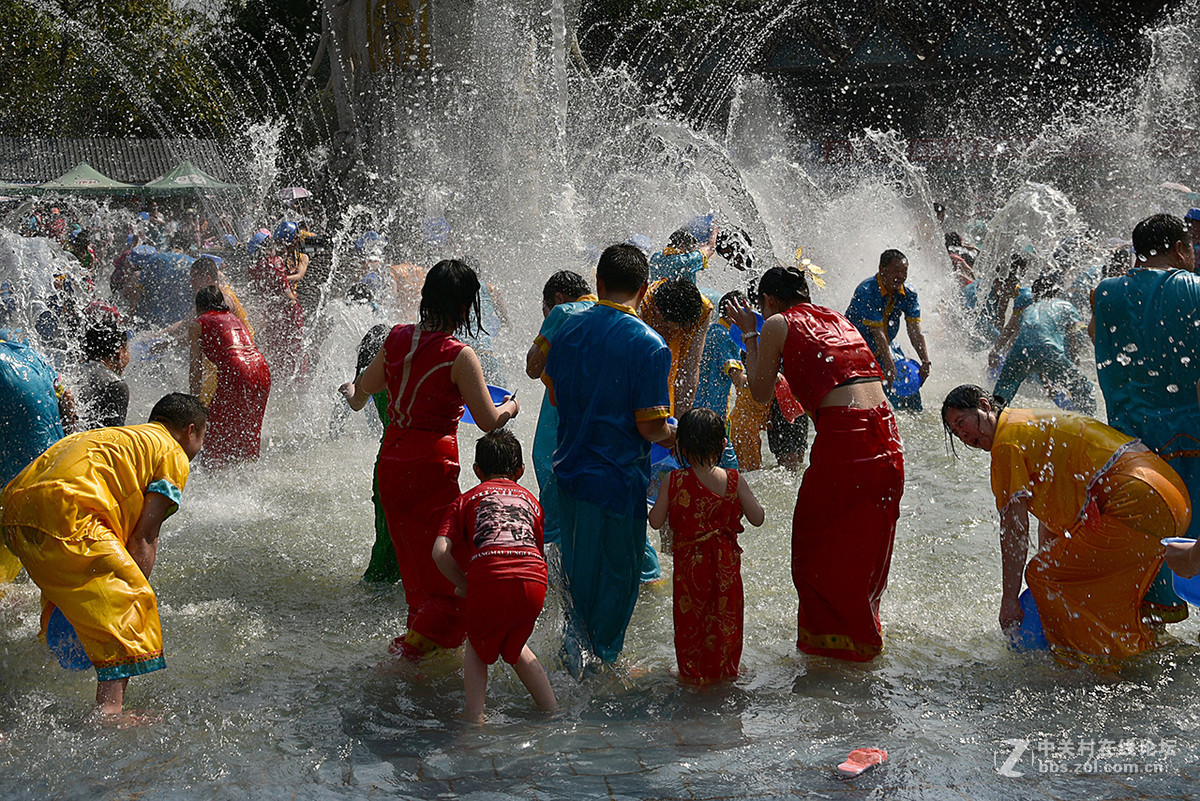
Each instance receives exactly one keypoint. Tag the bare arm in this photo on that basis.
(738, 376)
(143, 540)
(467, 375)
(535, 361)
(917, 337)
(689, 371)
(370, 381)
(1014, 550)
(1006, 337)
(884, 349)
(662, 505)
(750, 505)
(446, 563)
(763, 356)
(301, 268)
(659, 431)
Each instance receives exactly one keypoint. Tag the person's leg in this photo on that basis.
(475, 676)
(110, 696)
(533, 676)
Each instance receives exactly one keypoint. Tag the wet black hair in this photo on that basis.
(450, 298)
(567, 283)
(210, 298)
(679, 301)
(966, 397)
(1158, 234)
(1118, 262)
(953, 239)
(204, 267)
(786, 284)
(701, 437)
(890, 254)
(103, 341)
(1045, 286)
(179, 410)
(498, 453)
(684, 240)
(736, 294)
(622, 268)
(369, 347)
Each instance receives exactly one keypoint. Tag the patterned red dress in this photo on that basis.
(707, 577)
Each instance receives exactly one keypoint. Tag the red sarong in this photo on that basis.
(842, 531)
(707, 578)
(235, 415)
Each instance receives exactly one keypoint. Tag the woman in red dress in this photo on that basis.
(849, 499)
(235, 415)
(429, 375)
(281, 333)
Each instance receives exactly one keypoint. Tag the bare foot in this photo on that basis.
(127, 719)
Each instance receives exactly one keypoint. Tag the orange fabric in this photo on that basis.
(746, 423)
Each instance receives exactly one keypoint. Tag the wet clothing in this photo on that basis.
(746, 422)
(873, 307)
(383, 567)
(1041, 348)
(607, 371)
(68, 516)
(852, 488)
(681, 341)
(418, 473)
(1148, 363)
(496, 534)
(102, 397)
(707, 578)
(545, 438)
(719, 358)
(29, 416)
(281, 335)
(671, 264)
(167, 281)
(1107, 503)
(235, 415)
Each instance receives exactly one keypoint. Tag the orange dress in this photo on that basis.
(707, 577)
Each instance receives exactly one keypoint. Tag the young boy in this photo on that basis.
(490, 547)
(84, 519)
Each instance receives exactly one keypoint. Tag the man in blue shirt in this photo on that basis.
(607, 373)
(875, 310)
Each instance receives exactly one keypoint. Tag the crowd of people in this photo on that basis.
(657, 392)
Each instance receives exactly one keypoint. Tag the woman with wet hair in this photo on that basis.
(429, 375)
(1104, 501)
(849, 499)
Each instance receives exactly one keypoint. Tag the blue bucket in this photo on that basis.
(735, 333)
(1029, 636)
(498, 395)
(908, 378)
(1186, 588)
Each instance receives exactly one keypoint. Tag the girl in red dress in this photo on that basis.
(704, 504)
(429, 375)
(235, 415)
(849, 499)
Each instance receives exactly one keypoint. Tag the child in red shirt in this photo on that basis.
(490, 546)
(705, 505)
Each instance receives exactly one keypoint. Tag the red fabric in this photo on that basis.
(501, 616)
(823, 349)
(420, 392)
(418, 474)
(707, 577)
(235, 415)
(281, 334)
(842, 531)
(496, 534)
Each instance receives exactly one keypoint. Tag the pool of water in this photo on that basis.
(279, 685)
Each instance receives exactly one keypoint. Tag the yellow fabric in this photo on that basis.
(679, 339)
(101, 592)
(10, 565)
(1049, 457)
(746, 423)
(95, 477)
(1089, 582)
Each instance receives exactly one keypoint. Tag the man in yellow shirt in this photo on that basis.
(84, 520)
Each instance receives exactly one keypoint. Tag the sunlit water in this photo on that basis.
(279, 685)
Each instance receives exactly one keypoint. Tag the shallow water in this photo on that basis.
(278, 683)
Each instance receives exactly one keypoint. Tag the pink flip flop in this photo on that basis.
(861, 760)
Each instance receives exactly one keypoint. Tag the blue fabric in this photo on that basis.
(715, 384)
(1040, 347)
(602, 560)
(29, 418)
(608, 369)
(164, 487)
(870, 305)
(1148, 363)
(545, 437)
(132, 669)
(167, 279)
(676, 265)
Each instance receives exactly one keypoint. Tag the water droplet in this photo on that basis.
(1172, 387)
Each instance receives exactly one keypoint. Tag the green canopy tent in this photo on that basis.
(85, 180)
(188, 179)
(10, 190)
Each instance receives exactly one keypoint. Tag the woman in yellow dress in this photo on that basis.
(1103, 500)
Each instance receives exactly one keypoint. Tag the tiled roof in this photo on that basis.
(136, 161)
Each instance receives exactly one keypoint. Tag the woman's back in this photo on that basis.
(417, 367)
